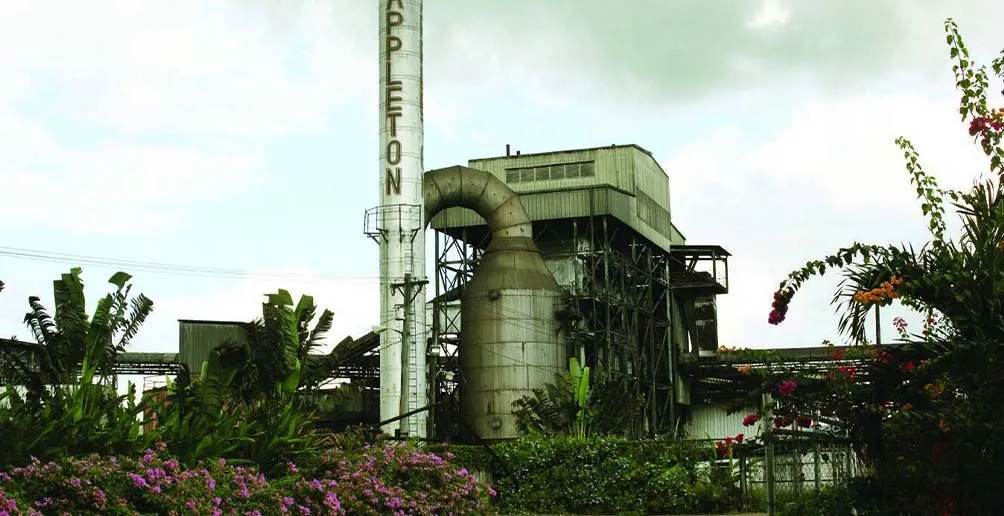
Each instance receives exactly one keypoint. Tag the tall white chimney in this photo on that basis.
(400, 218)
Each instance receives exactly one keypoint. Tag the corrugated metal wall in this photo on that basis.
(651, 179)
(711, 421)
(198, 338)
(627, 183)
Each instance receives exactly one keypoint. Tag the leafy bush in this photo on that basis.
(74, 353)
(828, 501)
(391, 479)
(52, 430)
(601, 475)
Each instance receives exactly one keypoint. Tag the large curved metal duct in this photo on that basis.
(510, 341)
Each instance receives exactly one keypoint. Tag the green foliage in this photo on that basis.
(924, 414)
(281, 342)
(828, 501)
(573, 406)
(200, 420)
(600, 475)
(64, 413)
(68, 341)
(242, 406)
(55, 429)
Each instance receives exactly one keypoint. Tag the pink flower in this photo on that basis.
(750, 419)
(786, 387)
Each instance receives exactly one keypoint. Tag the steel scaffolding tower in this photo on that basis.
(619, 295)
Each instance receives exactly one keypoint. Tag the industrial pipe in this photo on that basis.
(510, 341)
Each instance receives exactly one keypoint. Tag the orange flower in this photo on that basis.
(744, 369)
(906, 407)
(878, 295)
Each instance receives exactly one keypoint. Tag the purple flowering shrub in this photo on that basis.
(394, 480)
(399, 477)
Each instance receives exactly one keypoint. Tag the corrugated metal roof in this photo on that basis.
(584, 149)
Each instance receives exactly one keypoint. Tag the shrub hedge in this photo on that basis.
(600, 475)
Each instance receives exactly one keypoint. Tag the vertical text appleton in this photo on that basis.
(393, 89)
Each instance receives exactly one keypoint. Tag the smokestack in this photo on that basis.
(507, 150)
(401, 221)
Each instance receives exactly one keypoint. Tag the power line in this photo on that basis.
(173, 269)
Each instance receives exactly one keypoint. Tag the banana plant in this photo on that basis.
(281, 342)
(196, 419)
(67, 341)
(64, 412)
(579, 403)
(580, 391)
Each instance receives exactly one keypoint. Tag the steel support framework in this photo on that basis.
(456, 254)
(618, 286)
(624, 301)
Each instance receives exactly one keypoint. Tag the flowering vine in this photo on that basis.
(922, 404)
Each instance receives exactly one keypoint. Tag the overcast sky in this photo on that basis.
(243, 134)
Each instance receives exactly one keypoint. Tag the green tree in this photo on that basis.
(242, 405)
(281, 344)
(924, 413)
(51, 393)
(67, 342)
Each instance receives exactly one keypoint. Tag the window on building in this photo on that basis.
(550, 172)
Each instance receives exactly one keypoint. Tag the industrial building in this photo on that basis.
(636, 296)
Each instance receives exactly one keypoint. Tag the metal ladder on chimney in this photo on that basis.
(409, 286)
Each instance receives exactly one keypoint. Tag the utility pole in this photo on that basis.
(408, 291)
(878, 326)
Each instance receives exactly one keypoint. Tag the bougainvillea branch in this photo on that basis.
(925, 413)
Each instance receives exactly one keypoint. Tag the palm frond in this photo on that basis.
(305, 311)
(38, 320)
(318, 334)
(140, 308)
(98, 340)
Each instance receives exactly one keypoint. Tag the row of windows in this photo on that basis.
(550, 172)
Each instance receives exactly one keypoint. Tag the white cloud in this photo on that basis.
(112, 187)
(141, 108)
(185, 67)
(844, 149)
(830, 176)
(771, 14)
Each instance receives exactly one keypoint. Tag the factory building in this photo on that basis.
(637, 297)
